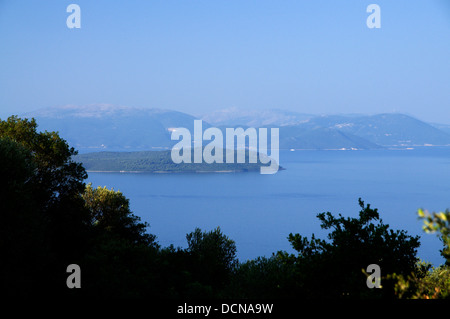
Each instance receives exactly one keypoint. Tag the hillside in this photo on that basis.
(385, 129)
(113, 128)
(255, 118)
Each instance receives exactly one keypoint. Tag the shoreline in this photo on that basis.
(170, 172)
(177, 172)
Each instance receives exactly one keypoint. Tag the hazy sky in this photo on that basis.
(197, 56)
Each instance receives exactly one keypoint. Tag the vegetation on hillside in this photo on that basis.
(158, 162)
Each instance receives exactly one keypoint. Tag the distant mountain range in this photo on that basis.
(112, 128)
(260, 118)
(115, 128)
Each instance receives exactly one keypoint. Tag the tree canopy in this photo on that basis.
(354, 243)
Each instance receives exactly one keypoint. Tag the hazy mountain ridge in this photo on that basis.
(107, 127)
(386, 129)
(443, 127)
(234, 116)
(118, 128)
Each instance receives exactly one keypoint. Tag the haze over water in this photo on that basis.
(259, 211)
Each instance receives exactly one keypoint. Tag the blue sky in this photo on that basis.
(197, 56)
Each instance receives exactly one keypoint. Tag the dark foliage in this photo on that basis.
(335, 269)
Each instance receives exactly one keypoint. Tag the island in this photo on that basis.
(157, 162)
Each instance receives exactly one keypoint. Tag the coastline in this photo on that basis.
(170, 172)
(180, 171)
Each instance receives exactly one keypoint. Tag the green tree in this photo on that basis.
(43, 192)
(429, 282)
(425, 282)
(50, 219)
(57, 184)
(24, 253)
(334, 268)
(56, 172)
(110, 213)
(263, 278)
(212, 259)
(438, 223)
(122, 258)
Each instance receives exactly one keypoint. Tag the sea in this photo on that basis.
(259, 211)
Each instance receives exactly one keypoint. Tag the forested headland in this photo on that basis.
(160, 162)
(51, 219)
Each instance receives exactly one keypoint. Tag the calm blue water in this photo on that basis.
(259, 211)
